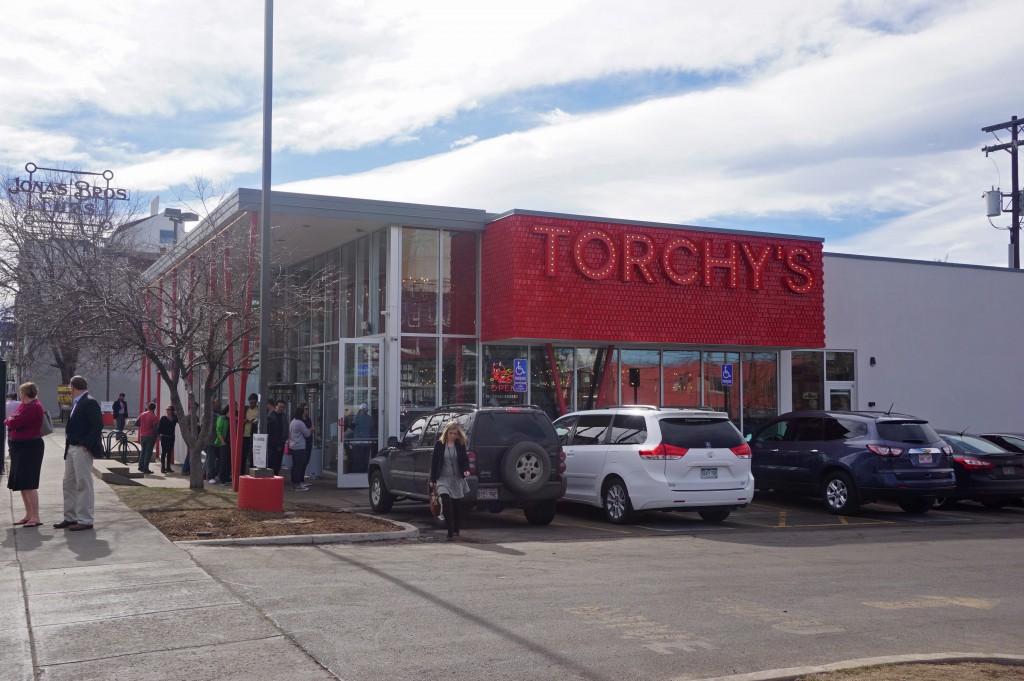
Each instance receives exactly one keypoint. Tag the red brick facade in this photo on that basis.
(555, 279)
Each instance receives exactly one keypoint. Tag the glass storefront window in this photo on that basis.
(682, 378)
(595, 378)
(542, 383)
(458, 293)
(458, 371)
(760, 389)
(716, 395)
(497, 375)
(646, 367)
(808, 380)
(839, 366)
(418, 368)
(420, 266)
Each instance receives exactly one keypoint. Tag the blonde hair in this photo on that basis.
(29, 389)
(460, 436)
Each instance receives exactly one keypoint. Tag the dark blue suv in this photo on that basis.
(853, 458)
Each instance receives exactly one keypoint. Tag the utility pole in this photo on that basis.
(1014, 126)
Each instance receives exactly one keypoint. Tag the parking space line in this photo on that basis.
(591, 527)
(843, 520)
(782, 519)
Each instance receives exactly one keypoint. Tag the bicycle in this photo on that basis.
(118, 444)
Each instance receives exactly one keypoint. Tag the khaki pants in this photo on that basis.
(79, 500)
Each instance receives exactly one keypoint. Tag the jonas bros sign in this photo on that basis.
(634, 255)
(67, 196)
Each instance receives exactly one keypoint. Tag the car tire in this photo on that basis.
(945, 503)
(714, 515)
(839, 494)
(615, 501)
(917, 506)
(381, 499)
(525, 468)
(994, 504)
(540, 512)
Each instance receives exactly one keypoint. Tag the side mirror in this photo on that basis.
(393, 441)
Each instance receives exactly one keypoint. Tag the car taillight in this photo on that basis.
(973, 464)
(663, 452)
(742, 451)
(472, 462)
(561, 460)
(947, 450)
(882, 450)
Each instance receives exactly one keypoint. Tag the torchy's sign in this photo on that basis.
(554, 278)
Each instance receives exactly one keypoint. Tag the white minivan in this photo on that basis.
(637, 458)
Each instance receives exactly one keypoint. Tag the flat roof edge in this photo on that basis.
(911, 261)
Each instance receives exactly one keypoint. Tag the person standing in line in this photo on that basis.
(277, 435)
(83, 443)
(309, 424)
(13, 404)
(223, 427)
(251, 417)
(298, 434)
(148, 424)
(120, 410)
(449, 468)
(168, 424)
(26, 443)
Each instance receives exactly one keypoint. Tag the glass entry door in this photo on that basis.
(841, 396)
(359, 409)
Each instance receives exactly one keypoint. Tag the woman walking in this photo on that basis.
(298, 434)
(449, 468)
(26, 452)
(168, 422)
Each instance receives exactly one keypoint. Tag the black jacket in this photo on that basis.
(275, 431)
(437, 458)
(85, 426)
(166, 428)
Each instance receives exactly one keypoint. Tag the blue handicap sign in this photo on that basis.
(520, 375)
(726, 375)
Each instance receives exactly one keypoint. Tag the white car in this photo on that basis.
(638, 458)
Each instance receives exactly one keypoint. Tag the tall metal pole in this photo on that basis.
(1013, 125)
(268, 82)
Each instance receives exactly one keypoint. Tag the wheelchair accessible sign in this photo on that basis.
(519, 375)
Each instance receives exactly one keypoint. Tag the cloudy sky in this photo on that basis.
(856, 121)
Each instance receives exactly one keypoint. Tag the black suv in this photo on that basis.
(514, 458)
(853, 458)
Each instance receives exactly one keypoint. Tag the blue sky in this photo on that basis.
(856, 121)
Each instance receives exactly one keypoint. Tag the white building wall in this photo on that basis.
(947, 339)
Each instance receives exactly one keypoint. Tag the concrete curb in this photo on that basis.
(930, 658)
(407, 532)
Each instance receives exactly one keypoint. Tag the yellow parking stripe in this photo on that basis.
(591, 527)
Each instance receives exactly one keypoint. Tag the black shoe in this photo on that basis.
(451, 537)
(456, 533)
(64, 523)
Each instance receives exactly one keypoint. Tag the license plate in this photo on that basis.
(1009, 470)
(708, 473)
(487, 493)
(924, 458)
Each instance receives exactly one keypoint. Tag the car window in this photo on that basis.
(591, 429)
(773, 432)
(434, 425)
(842, 429)
(910, 432)
(973, 445)
(808, 429)
(506, 428)
(628, 429)
(1014, 442)
(699, 432)
(415, 433)
(563, 428)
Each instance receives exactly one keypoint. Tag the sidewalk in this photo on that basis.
(122, 602)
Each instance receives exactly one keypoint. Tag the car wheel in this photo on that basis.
(540, 512)
(714, 515)
(839, 494)
(945, 503)
(525, 468)
(381, 499)
(994, 504)
(917, 506)
(615, 501)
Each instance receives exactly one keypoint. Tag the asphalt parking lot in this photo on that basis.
(770, 513)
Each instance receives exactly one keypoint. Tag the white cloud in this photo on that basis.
(464, 141)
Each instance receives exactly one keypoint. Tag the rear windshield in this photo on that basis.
(691, 433)
(505, 428)
(974, 445)
(910, 432)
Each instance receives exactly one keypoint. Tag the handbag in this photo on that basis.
(46, 427)
(434, 504)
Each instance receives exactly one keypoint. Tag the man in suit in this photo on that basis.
(120, 412)
(83, 443)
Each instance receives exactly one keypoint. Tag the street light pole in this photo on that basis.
(1014, 126)
(268, 82)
